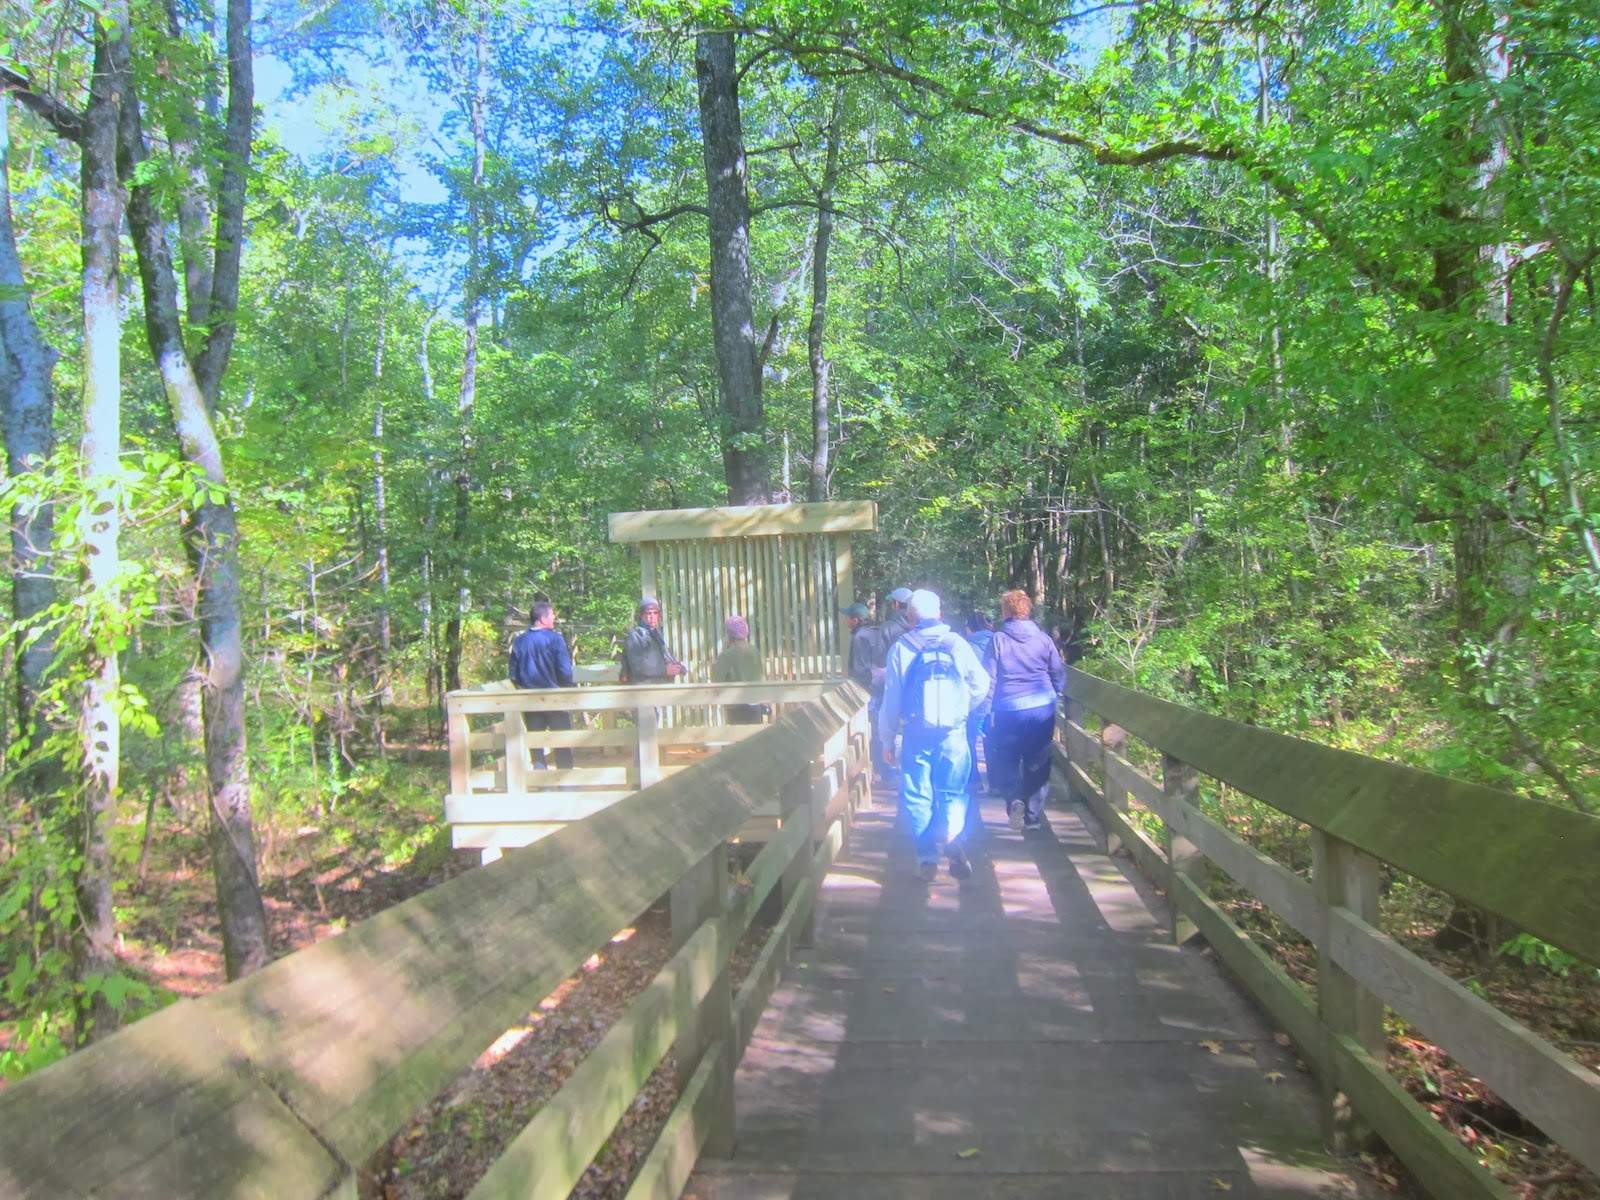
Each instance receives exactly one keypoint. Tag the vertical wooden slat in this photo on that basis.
(816, 600)
(691, 608)
(707, 1028)
(844, 583)
(774, 604)
(516, 738)
(705, 599)
(460, 735)
(794, 564)
(760, 604)
(649, 745)
(647, 568)
(780, 605)
(1345, 878)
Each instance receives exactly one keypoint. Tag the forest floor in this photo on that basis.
(1559, 1001)
(365, 855)
(382, 844)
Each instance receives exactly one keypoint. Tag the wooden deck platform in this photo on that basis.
(1030, 1033)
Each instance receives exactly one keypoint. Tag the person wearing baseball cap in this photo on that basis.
(645, 657)
(932, 682)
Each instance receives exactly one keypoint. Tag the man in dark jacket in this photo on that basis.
(895, 626)
(980, 636)
(866, 645)
(645, 657)
(865, 662)
(1028, 679)
(540, 659)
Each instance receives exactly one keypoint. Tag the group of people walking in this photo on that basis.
(939, 693)
(935, 695)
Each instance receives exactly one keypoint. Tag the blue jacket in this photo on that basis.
(540, 659)
(1025, 667)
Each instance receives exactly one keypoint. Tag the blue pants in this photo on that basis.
(1019, 756)
(933, 787)
(977, 726)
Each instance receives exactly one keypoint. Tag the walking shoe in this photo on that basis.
(960, 868)
(927, 872)
(1015, 814)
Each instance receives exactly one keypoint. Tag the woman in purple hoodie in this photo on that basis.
(1027, 680)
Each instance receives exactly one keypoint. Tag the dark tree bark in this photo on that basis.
(194, 200)
(743, 425)
(224, 300)
(212, 529)
(821, 435)
(99, 724)
(27, 412)
(467, 399)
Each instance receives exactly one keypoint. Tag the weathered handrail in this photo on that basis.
(1528, 862)
(285, 1083)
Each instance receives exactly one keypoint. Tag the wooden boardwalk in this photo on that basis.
(1030, 1033)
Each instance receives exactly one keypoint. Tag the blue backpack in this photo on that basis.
(933, 691)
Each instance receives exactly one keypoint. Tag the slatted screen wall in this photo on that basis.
(785, 585)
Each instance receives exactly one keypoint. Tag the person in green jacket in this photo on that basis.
(739, 662)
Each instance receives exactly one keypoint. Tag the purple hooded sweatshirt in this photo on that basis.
(1025, 667)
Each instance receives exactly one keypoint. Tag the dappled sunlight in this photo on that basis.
(932, 1123)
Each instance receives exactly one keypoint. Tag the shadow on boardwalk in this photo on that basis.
(1029, 1033)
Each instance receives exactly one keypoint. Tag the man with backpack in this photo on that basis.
(932, 680)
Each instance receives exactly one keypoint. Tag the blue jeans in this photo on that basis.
(977, 726)
(1019, 757)
(933, 787)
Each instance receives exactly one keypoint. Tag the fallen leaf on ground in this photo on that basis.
(1222, 1185)
(1274, 1076)
(1213, 1047)
(1281, 1038)
(969, 1152)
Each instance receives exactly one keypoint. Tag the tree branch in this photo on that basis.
(67, 122)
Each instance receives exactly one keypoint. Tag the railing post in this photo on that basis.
(1346, 878)
(460, 740)
(649, 745)
(516, 740)
(707, 1028)
(1180, 784)
(798, 801)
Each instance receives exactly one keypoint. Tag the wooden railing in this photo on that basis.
(284, 1084)
(499, 799)
(1530, 863)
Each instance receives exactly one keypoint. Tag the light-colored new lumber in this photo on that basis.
(748, 520)
(492, 809)
(627, 696)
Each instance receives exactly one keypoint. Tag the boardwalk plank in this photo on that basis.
(1034, 1015)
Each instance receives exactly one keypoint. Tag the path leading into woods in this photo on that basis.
(1030, 1033)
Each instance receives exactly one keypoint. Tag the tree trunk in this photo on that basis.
(743, 426)
(820, 366)
(27, 410)
(100, 729)
(380, 523)
(213, 360)
(212, 529)
(467, 401)
(194, 199)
